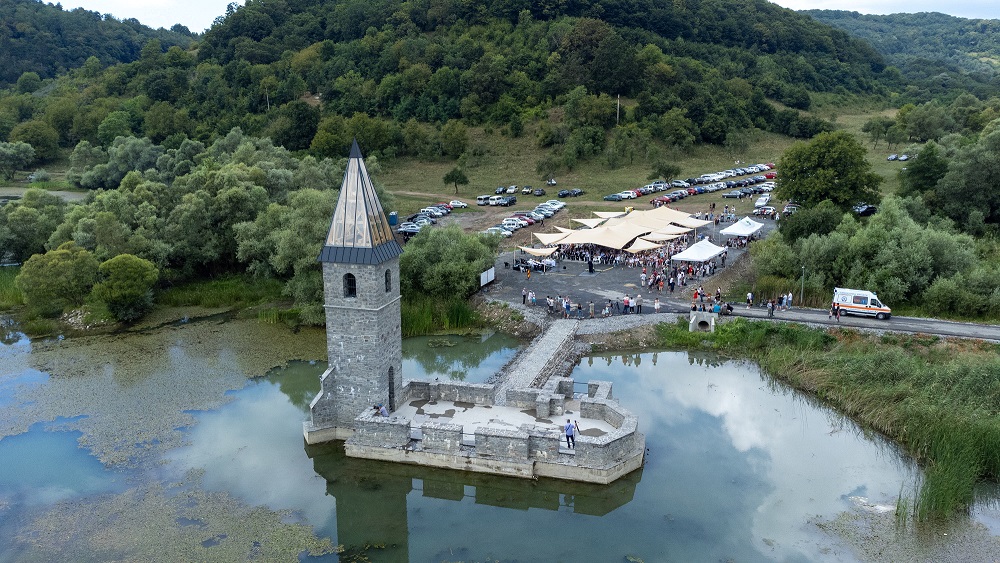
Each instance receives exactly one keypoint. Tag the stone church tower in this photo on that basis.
(361, 294)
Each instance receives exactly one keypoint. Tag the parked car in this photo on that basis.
(508, 201)
(904, 157)
(500, 190)
(865, 210)
(511, 189)
(613, 197)
(558, 204)
(790, 209)
(576, 192)
(422, 222)
(771, 175)
(456, 203)
(563, 193)
(409, 230)
(765, 211)
(499, 231)
(539, 192)
(626, 194)
(735, 194)
(892, 157)
(526, 190)
(545, 211)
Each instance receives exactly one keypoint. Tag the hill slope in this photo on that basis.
(45, 39)
(930, 46)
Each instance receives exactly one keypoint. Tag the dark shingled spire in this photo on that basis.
(359, 232)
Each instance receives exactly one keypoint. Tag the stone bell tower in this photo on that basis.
(361, 295)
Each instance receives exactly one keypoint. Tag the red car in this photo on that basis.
(771, 175)
(662, 199)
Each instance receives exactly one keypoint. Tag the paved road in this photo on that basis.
(572, 279)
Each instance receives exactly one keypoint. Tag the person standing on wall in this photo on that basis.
(571, 429)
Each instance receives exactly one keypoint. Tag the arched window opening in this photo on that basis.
(392, 389)
(388, 281)
(350, 286)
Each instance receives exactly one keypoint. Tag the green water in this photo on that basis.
(472, 359)
(738, 469)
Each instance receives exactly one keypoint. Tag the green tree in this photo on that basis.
(126, 286)
(13, 157)
(922, 174)
(28, 83)
(664, 171)
(445, 263)
(456, 176)
(116, 124)
(831, 166)
(57, 280)
(877, 127)
(40, 135)
(26, 224)
(819, 220)
(454, 138)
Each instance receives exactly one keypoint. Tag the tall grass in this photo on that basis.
(229, 291)
(939, 400)
(10, 295)
(426, 315)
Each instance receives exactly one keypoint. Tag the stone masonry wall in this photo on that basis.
(502, 444)
(442, 437)
(372, 429)
(364, 343)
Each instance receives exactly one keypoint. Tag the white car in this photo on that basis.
(556, 203)
(512, 190)
(456, 203)
(627, 194)
(498, 231)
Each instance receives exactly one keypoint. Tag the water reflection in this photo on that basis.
(463, 358)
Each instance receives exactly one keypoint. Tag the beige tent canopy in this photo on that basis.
(659, 237)
(538, 251)
(641, 245)
(593, 222)
(609, 214)
(550, 238)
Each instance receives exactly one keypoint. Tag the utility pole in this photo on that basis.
(802, 289)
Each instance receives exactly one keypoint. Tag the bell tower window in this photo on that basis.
(350, 286)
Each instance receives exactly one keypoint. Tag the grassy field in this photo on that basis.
(506, 161)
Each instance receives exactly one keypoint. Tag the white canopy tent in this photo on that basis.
(701, 251)
(742, 228)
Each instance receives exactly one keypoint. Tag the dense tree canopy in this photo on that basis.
(831, 167)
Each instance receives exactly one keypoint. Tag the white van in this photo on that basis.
(483, 200)
(860, 302)
(511, 224)
(497, 199)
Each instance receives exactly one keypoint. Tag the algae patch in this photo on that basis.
(154, 524)
(131, 394)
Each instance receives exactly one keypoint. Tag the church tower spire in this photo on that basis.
(360, 260)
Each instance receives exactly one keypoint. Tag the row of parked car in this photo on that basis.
(703, 184)
(513, 189)
(427, 216)
(521, 219)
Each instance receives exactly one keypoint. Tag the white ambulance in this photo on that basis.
(860, 302)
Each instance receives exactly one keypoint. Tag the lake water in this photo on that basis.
(738, 469)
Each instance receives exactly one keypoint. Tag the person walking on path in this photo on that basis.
(524, 296)
(656, 305)
(638, 304)
(571, 429)
(788, 301)
(833, 310)
(591, 305)
(749, 299)
(770, 308)
(625, 305)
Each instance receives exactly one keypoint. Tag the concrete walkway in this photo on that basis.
(535, 363)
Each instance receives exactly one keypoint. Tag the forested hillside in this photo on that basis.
(940, 54)
(47, 40)
(407, 77)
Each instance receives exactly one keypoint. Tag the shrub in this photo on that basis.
(57, 280)
(126, 286)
